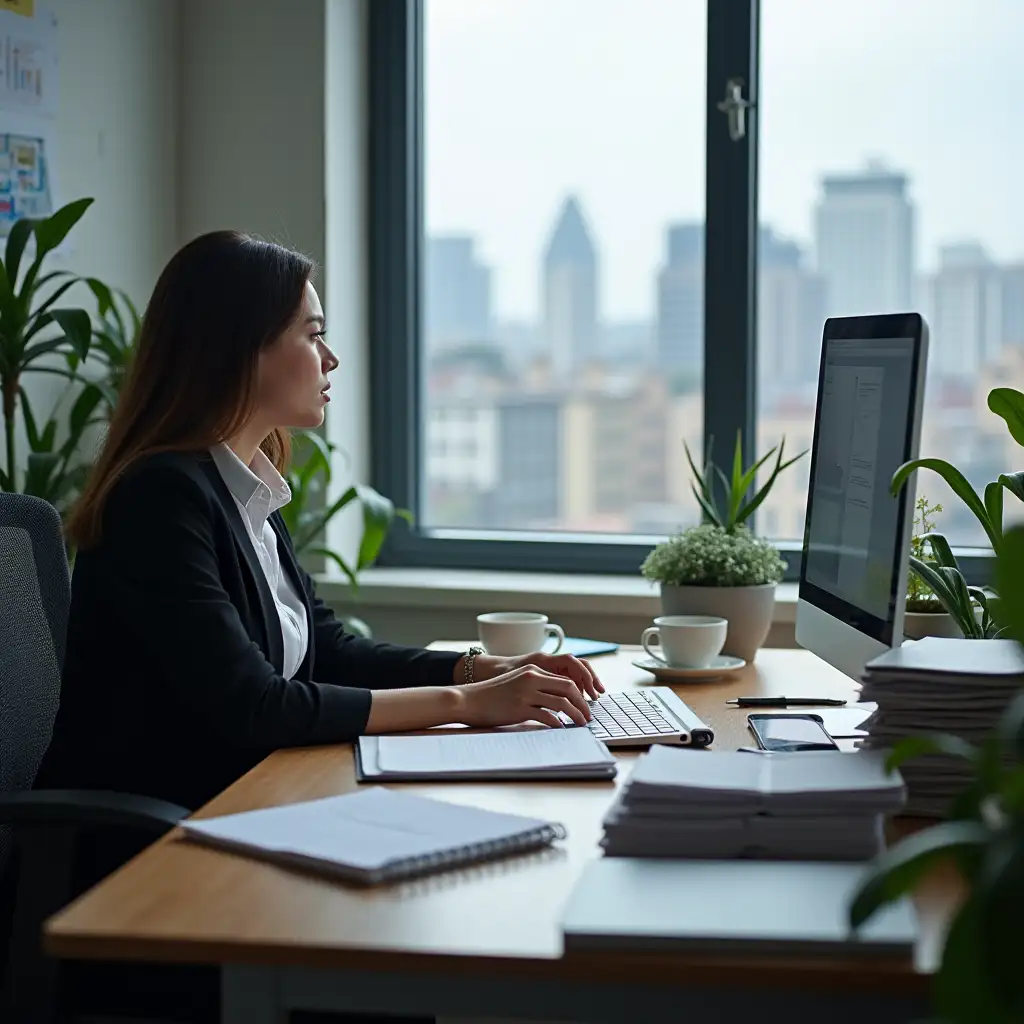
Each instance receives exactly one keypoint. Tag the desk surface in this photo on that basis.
(179, 901)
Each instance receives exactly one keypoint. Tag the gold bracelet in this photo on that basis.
(467, 665)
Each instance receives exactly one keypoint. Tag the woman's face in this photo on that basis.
(292, 377)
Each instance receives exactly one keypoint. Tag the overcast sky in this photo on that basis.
(528, 100)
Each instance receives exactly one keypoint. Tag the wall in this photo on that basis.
(117, 136)
(269, 87)
(116, 140)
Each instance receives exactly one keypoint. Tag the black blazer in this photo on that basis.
(172, 684)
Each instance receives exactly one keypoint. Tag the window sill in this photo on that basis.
(477, 590)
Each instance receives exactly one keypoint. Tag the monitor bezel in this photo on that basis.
(872, 329)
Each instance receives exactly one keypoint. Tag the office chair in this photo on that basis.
(38, 829)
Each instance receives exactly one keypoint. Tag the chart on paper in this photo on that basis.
(28, 64)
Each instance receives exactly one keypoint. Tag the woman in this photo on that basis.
(196, 643)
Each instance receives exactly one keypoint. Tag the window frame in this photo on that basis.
(395, 260)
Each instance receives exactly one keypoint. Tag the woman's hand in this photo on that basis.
(488, 666)
(526, 693)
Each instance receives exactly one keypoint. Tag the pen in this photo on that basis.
(785, 702)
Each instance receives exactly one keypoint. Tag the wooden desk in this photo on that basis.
(484, 940)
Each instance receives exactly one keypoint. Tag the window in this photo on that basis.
(887, 182)
(573, 257)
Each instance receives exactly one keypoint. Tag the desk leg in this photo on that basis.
(251, 995)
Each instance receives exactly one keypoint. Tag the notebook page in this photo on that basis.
(364, 830)
(522, 750)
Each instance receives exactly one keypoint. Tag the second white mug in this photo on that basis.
(686, 641)
(507, 634)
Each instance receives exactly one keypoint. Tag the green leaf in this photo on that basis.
(748, 478)
(52, 299)
(987, 617)
(943, 553)
(340, 562)
(1009, 404)
(316, 523)
(40, 475)
(104, 299)
(941, 580)
(378, 513)
(999, 893)
(83, 408)
(698, 476)
(959, 485)
(49, 434)
(755, 503)
(41, 348)
(708, 509)
(962, 991)
(5, 482)
(971, 627)
(54, 229)
(1014, 483)
(732, 487)
(31, 430)
(994, 505)
(1011, 728)
(77, 328)
(930, 743)
(17, 239)
(1010, 581)
(901, 867)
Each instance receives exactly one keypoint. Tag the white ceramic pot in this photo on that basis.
(920, 624)
(748, 610)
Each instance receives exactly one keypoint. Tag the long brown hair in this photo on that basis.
(192, 380)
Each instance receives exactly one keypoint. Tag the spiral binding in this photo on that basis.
(474, 853)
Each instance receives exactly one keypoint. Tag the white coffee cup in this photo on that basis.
(510, 633)
(686, 641)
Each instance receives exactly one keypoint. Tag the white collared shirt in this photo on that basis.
(259, 490)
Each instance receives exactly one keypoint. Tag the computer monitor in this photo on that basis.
(853, 581)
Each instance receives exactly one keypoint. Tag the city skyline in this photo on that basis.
(612, 109)
(862, 259)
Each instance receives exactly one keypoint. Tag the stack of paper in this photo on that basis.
(939, 685)
(814, 805)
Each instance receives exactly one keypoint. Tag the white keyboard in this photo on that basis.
(631, 718)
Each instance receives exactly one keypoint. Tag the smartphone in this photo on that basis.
(790, 732)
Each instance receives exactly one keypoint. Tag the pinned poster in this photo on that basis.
(24, 179)
(28, 61)
(28, 111)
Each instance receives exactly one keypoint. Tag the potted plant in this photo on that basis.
(969, 607)
(34, 330)
(924, 614)
(720, 567)
(308, 514)
(979, 980)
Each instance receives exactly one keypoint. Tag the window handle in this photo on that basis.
(734, 106)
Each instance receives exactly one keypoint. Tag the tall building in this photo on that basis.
(966, 307)
(569, 288)
(1012, 316)
(864, 237)
(790, 315)
(679, 341)
(528, 485)
(457, 304)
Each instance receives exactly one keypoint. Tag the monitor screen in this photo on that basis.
(863, 432)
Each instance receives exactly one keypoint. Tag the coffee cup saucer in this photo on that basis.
(721, 665)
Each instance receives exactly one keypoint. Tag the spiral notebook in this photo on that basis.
(375, 835)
